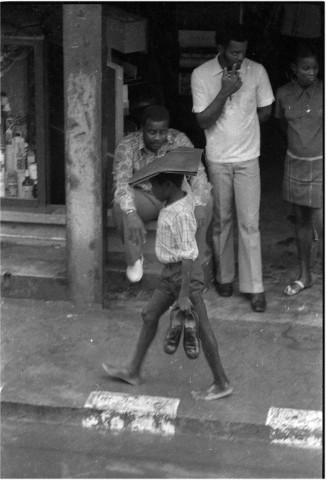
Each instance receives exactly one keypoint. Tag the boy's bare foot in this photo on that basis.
(121, 374)
(213, 392)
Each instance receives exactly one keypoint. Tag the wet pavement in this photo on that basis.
(52, 350)
(52, 353)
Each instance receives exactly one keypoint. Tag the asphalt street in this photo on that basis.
(54, 450)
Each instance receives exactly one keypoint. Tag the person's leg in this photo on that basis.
(204, 248)
(304, 238)
(221, 385)
(159, 304)
(148, 208)
(247, 199)
(221, 177)
(317, 216)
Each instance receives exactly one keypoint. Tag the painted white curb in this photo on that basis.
(141, 413)
(297, 428)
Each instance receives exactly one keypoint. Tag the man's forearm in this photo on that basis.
(264, 113)
(122, 173)
(124, 198)
(200, 186)
(212, 113)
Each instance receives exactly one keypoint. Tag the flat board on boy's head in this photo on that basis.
(182, 160)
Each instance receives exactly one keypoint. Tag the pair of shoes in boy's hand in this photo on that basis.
(191, 343)
(190, 335)
(173, 335)
(172, 339)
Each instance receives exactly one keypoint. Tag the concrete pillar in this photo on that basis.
(83, 65)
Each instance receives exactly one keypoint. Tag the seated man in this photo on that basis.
(133, 207)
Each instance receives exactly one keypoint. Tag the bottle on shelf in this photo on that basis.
(35, 189)
(9, 156)
(26, 154)
(30, 157)
(12, 184)
(9, 132)
(2, 175)
(5, 105)
(2, 141)
(27, 186)
(32, 167)
(18, 146)
(3, 154)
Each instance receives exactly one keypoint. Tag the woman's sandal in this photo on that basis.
(295, 288)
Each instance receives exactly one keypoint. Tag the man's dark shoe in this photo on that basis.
(224, 289)
(258, 302)
(172, 339)
(191, 343)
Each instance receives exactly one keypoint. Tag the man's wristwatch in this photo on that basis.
(128, 212)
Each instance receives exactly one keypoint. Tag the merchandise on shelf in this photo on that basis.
(12, 184)
(18, 163)
(10, 167)
(5, 105)
(27, 186)
(30, 157)
(2, 175)
(18, 147)
(9, 125)
(32, 168)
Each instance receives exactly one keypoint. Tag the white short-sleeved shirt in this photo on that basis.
(235, 136)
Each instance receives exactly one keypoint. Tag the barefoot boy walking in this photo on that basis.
(182, 279)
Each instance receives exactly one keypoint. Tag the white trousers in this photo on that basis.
(239, 184)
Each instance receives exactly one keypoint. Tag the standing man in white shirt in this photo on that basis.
(231, 96)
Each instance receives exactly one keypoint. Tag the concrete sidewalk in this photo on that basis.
(52, 353)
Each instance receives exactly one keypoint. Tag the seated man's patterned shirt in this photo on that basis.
(131, 155)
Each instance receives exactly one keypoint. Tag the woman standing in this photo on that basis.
(299, 106)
